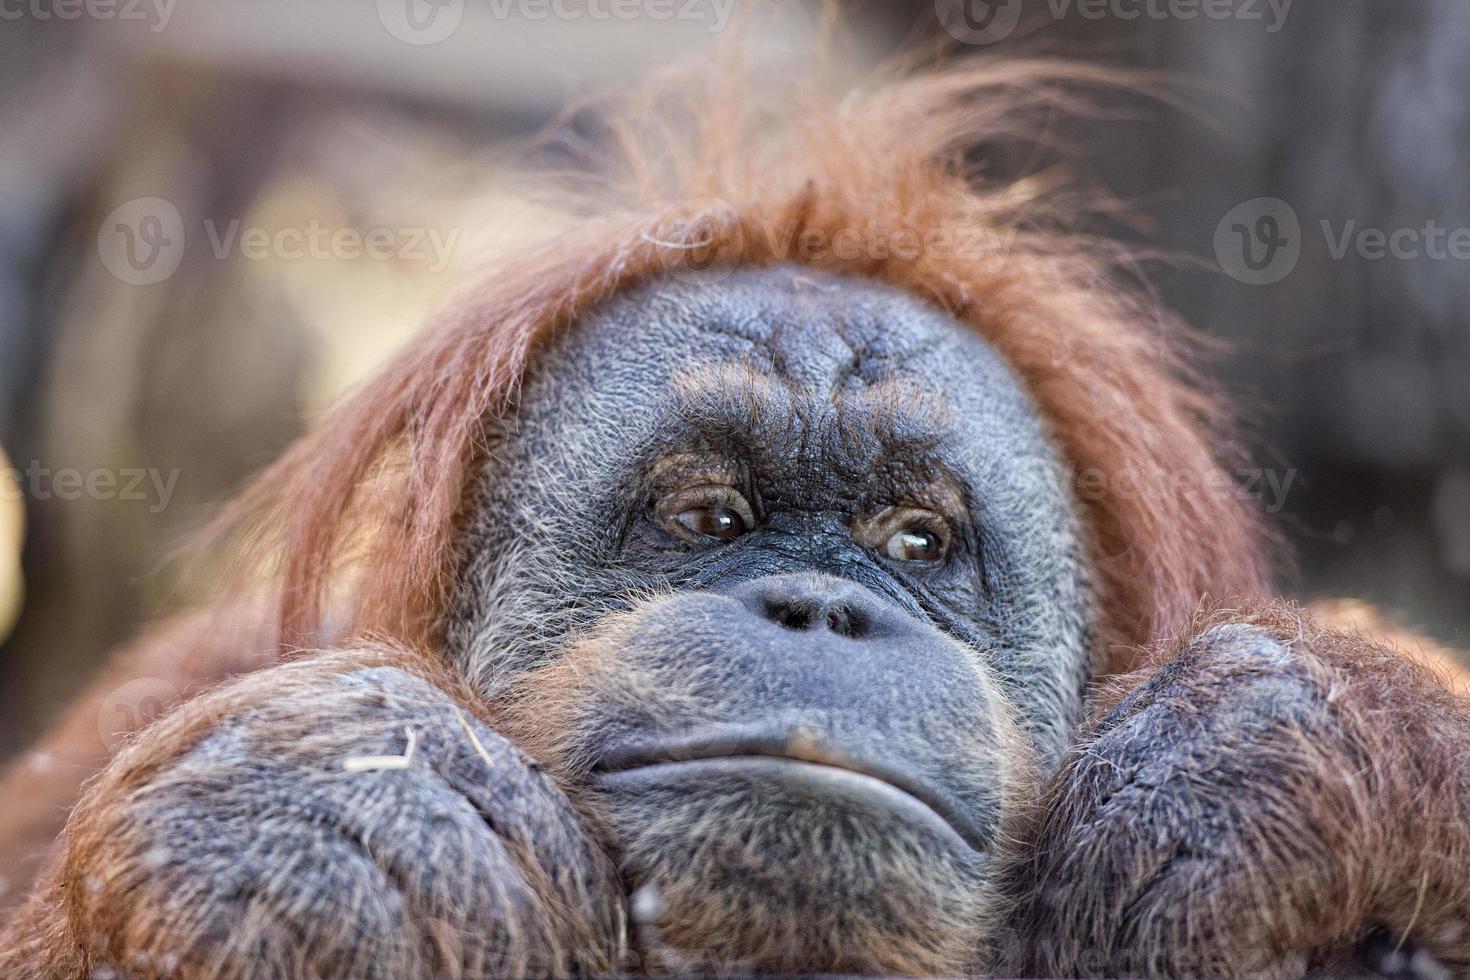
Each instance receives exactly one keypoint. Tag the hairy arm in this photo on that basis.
(347, 815)
(1262, 799)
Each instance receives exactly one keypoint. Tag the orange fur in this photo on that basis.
(1353, 616)
(714, 164)
(755, 174)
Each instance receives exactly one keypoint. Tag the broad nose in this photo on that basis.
(818, 603)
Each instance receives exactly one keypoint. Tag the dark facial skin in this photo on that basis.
(828, 612)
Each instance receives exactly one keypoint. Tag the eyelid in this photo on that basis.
(675, 471)
(876, 530)
(706, 495)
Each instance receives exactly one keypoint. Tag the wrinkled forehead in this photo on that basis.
(820, 338)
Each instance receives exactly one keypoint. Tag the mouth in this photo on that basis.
(796, 760)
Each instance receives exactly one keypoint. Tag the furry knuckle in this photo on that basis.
(1236, 683)
(1242, 648)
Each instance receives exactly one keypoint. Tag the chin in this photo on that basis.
(780, 866)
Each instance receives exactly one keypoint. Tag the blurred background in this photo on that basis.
(215, 216)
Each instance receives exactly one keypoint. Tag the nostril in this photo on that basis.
(839, 618)
(791, 615)
(846, 621)
(820, 604)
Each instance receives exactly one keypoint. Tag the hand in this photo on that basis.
(1271, 798)
(336, 817)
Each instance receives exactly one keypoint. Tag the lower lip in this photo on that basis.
(823, 783)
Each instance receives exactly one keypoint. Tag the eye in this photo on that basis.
(907, 534)
(708, 513)
(720, 523)
(914, 544)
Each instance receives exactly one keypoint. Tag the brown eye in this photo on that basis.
(715, 512)
(720, 523)
(914, 544)
(911, 534)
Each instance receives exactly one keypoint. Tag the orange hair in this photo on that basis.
(708, 165)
